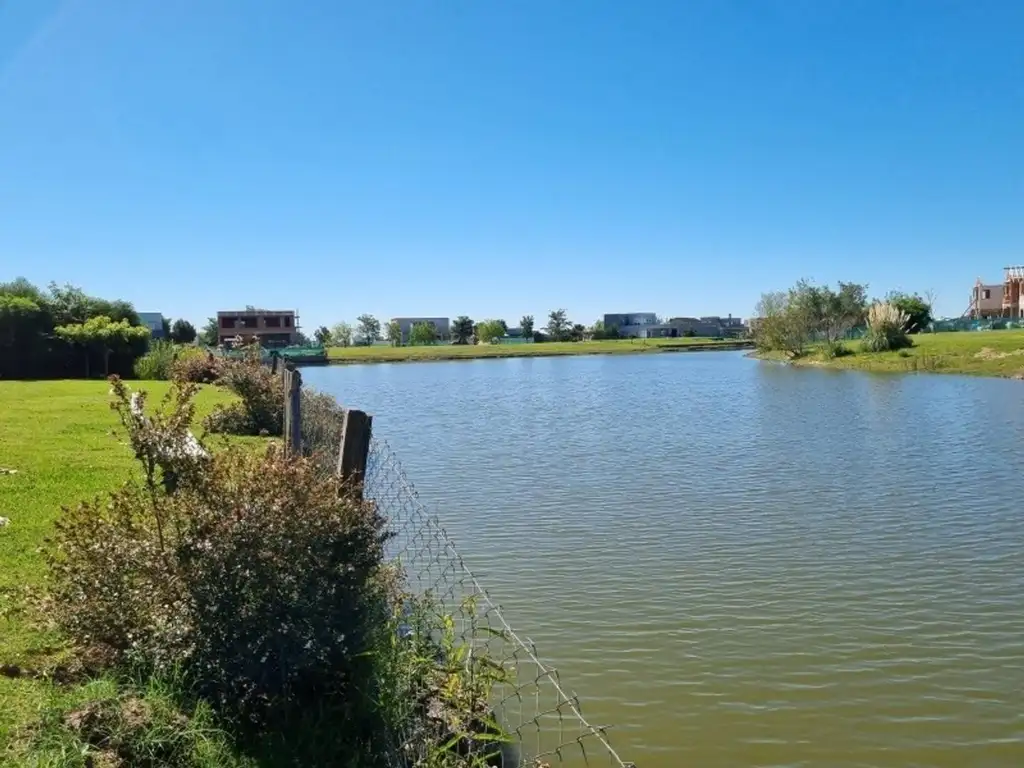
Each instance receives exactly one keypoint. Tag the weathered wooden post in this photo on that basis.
(292, 410)
(355, 448)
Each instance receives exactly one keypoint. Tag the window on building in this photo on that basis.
(986, 294)
(272, 321)
(227, 322)
(250, 322)
(287, 321)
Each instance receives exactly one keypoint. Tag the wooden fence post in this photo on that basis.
(292, 411)
(355, 447)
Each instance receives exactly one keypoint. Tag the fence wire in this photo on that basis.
(544, 720)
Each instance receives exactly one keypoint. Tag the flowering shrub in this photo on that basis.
(257, 575)
(260, 409)
(195, 365)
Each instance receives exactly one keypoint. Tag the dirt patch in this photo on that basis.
(987, 353)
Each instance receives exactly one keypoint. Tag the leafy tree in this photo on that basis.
(916, 308)
(369, 328)
(165, 326)
(210, 334)
(183, 332)
(489, 330)
(599, 331)
(394, 333)
(830, 314)
(504, 326)
(341, 335)
(559, 326)
(21, 334)
(462, 330)
(526, 323)
(422, 334)
(101, 334)
(578, 332)
(302, 340)
(29, 346)
(781, 324)
(322, 336)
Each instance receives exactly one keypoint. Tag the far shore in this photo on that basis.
(449, 352)
(972, 353)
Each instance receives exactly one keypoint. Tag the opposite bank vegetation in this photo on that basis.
(813, 325)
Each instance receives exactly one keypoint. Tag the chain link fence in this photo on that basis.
(543, 719)
(970, 324)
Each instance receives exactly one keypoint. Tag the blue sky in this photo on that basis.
(496, 158)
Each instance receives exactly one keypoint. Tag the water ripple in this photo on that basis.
(738, 564)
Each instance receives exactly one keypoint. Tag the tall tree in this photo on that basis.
(526, 324)
(422, 334)
(341, 335)
(183, 332)
(369, 328)
(781, 324)
(322, 335)
(394, 333)
(210, 335)
(558, 325)
(101, 334)
(918, 309)
(829, 314)
(489, 331)
(462, 330)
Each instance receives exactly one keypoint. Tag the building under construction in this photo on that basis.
(1004, 299)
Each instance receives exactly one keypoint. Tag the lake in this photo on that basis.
(738, 563)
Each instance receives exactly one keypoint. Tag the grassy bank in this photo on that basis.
(56, 435)
(976, 353)
(386, 354)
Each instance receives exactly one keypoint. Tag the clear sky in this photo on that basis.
(499, 157)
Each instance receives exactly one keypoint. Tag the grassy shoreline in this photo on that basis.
(450, 352)
(56, 436)
(970, 353)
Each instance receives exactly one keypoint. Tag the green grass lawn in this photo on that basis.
(57, 435)
(385, 354)
(978, 353)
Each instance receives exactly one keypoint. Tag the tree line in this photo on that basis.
(63, 332)
(368, 330)
(790, 321)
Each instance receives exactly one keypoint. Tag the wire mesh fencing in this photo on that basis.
(543, 719)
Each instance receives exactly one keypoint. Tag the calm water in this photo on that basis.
(739, 564)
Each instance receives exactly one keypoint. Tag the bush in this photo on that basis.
(887, 329)
(260, 410)
(258, 575)
(157, 364)
(195, 365)
(834, 349)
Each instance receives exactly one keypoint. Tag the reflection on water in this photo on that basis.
(736, 563)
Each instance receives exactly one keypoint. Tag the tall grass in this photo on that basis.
(887, 328)
(156, 364)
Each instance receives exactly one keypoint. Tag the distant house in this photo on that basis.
(631, 324)
(442, 326)
(272, 328)
(155, 322)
